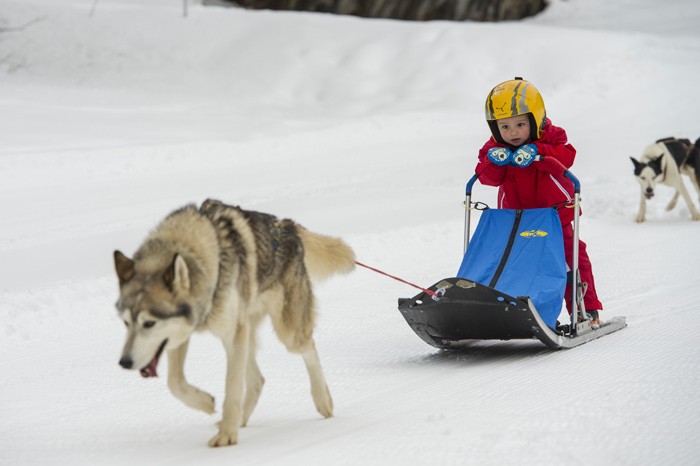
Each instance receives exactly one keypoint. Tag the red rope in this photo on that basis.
(430, 292)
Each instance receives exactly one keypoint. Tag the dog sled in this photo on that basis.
(511, 282)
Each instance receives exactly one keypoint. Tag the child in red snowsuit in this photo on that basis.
(520, 131)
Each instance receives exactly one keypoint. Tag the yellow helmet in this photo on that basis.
(513, 98)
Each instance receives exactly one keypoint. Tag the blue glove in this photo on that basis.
(500, 155)
(524, 155)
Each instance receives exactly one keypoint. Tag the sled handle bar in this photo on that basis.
(576, 296)
(467, 211)
(553, 165)
(557, 165)
(471, 182)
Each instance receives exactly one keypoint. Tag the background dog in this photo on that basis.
(664, 162)
(223, 269)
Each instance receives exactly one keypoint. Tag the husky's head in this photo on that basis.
(648, 174)
(156, 305)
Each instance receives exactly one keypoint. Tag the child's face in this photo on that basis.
(515, 130)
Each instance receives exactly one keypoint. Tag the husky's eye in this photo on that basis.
(149, 323)
(126, 323)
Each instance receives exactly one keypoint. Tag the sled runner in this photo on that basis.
(511, 282)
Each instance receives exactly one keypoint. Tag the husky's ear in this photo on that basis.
(655, 164)
(637, 165)
(177, 276)
(124, 267)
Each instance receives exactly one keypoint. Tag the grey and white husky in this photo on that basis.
(223, 269)
(664, 162)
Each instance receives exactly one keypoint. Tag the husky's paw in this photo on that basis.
(224, 439)
(251, 400)
(195, 398)
(204, 402)
(696, 217)
(323, 401)
(639, 219)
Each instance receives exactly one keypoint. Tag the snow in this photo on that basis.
(365, 129)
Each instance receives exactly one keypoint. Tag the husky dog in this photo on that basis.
(664, 162)
(223, 269)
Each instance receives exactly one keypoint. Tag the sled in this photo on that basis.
(511, 282)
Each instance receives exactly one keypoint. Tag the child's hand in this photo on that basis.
(500, 155)
(524, 155)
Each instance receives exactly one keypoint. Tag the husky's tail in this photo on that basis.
(325, 255)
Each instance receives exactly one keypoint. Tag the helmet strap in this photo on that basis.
(493, 126)
(534, 128)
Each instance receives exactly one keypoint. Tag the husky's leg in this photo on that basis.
(236, 359)
(180, 388)
(686, 197)
(642, 208)
(673, 201)
(319, 389)
(296, 334)
(254, 382)
(696, 184)
(690, 171)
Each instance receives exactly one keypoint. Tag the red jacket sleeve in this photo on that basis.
(490, 174)
(556, 144)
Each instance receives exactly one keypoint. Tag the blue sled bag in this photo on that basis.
(520, 253)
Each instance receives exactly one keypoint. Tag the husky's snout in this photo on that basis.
(649, 193)
(126, 362)
(148, 370)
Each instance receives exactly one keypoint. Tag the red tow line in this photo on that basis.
(430, 292)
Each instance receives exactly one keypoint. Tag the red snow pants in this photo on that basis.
(590, 299)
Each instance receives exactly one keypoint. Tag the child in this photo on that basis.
(521, 130)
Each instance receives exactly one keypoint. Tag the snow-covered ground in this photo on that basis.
(365, 129)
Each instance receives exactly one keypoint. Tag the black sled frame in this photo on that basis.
(460, 310)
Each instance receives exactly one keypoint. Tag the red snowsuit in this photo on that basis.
(533, 187)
